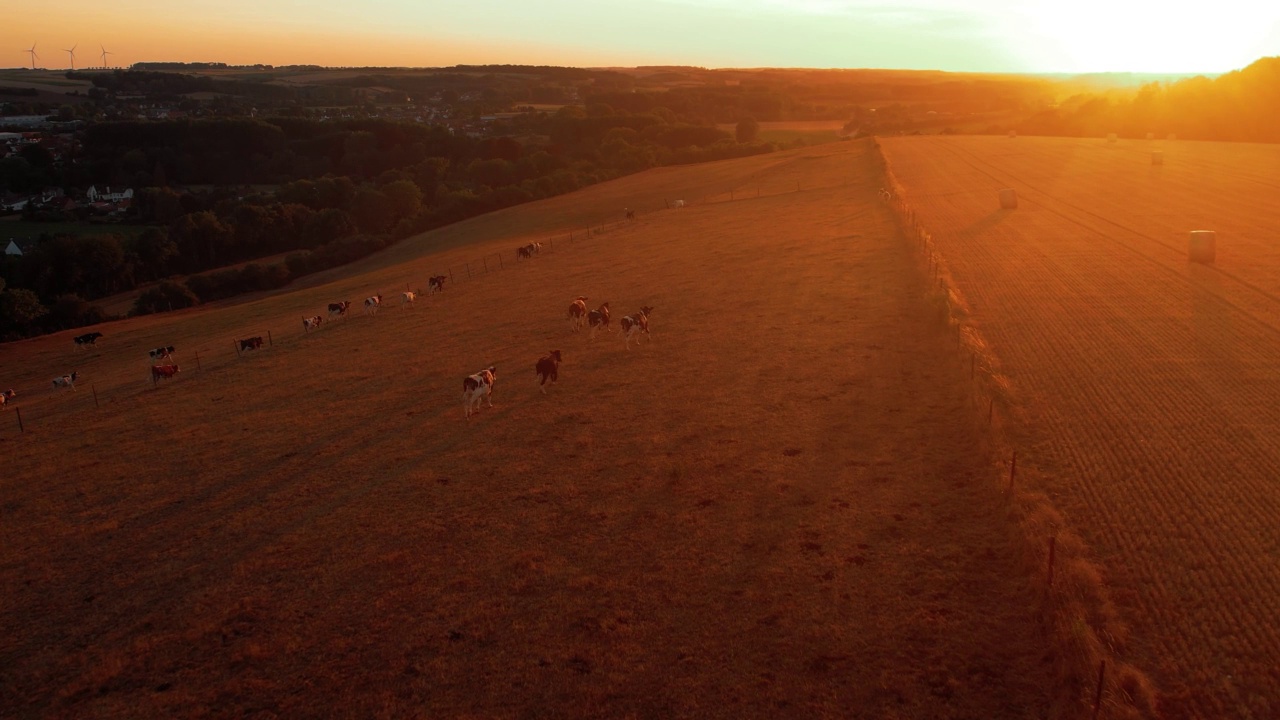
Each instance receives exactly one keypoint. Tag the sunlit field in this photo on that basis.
(1148, 382)
(782, 504)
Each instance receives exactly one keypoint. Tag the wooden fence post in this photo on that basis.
(235, 346)
(500, 265)
(21, 427)
(451, 275)
(468, 270)
(94, 388)
(1097, 698)
(1053, 542)
(270, 342)
(486, 265)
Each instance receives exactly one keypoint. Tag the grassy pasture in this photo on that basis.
(779, 506)
(1148, 382)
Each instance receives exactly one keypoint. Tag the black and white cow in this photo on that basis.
(338, 309)
(310, 323)
(161, 353)
(478, 387)
(66, 381)
(435, 284)
(548, 368)
(87, 339)
(252, 343)
(598, 319)
(635, 325)
(372, 304)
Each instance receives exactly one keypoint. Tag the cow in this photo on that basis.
(6, 396)
(548, 367)
(537, 248)
(636, 324)
(598, 318)
(252, 343)
(161, 353)
(435, 283)
(338, 309)
(631, 214)
(577, 313)
(372, 304)
(407, 298)
(677, 204)
(159, 372)
(87, 339)
(66, 381)
(478, 387)
(524, 252)
(310, 323)
(884, 195)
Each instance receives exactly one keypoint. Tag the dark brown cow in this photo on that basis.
(160, 372)
(548, 367)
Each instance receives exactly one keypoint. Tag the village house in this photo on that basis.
(107, 195)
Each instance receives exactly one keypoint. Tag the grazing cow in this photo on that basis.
(87, 339)
(636, 324)
(677, 204)
(537, 248)
(159, 372)
(577, 313)
(631, 214)
(310, 323)
(372, 304)
(548, 367)
(524, 252)
(252, 343)
(6, 396)
(478, 387)
(598, 318)
(161, 353)
(435, 283)
(338, 309)
(407, 298)
(66, 381)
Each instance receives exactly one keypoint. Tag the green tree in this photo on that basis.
(747, 130)
(20, 308)
(404, 198)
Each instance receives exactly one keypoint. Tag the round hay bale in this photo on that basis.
(1203, 246)
(1157, 157)
(1172, 136)
(1111, 137)
(1008, 199)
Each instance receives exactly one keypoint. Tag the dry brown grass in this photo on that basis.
(1145, 386)
(781, 506)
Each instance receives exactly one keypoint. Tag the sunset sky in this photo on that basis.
(958, 35)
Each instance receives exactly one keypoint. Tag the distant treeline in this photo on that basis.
(336, 192)
(1239, 106)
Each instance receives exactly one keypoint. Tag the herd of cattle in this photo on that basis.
(476, 388)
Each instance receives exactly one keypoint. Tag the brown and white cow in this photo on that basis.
(598, 319)
(338, 309)
(252, 343)
(372, 304)
(435, 284)
(548, 367)
(310, 323)
(635, 325)
(407, 298)
(478, 387)
(160, 372)
(87, 339)
(6, 396)
(66, 381)
(578, 313)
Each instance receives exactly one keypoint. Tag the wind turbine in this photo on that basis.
(32, 53)
(72, 53)
(105, 53)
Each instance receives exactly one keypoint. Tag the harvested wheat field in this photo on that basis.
(1147, 383)
(781, 504)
